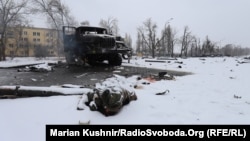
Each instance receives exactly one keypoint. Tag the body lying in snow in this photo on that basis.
(108, 100)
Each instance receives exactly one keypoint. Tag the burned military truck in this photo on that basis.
(91, 45)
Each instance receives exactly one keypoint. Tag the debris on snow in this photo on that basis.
(156, 61)
(84, 122)
(79, 76)
(37, 68)
(162, 93)
(33, 79)
(237, 97)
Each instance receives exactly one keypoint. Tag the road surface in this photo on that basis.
(75, 75)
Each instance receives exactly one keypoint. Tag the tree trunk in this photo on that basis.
(1, 49)
(153, 52)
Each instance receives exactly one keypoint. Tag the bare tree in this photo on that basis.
(18, 39)
(11, 13)
(208, 47)
(168, 41)
(243, 51)
(141, 48)
(228, 49)
(138, 49)
(58, 15)
(21, 44)
(148, 34)
(111, 24)
(186, 40)
(128, 40)
(234, 50)
(195, 47)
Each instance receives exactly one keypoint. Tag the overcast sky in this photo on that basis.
(224, 21)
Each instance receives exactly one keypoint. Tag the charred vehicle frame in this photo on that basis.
(88, 44)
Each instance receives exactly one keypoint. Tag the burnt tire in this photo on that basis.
(115, 60)
(91, 60)
(69, 58)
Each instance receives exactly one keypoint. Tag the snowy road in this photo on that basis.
(73, 75)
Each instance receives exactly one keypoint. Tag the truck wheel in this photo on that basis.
(69, 58)
(115, 60)
(91, 60)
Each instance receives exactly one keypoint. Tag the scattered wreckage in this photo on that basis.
(37, 68)
(107, 97)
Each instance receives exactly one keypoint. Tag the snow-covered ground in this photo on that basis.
(216, 93)
(15, 62)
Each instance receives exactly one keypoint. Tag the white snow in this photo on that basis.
(217, 92)
(14, 62)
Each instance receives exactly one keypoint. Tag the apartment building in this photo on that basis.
(32, 42)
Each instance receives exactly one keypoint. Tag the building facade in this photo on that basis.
(32, 42)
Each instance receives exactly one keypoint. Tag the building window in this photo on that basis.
(24, 39)
(10, 34)
(26, 46)
(12, 53)
(38, 45)
(26, 53)
(11, 45)
(36, 40)
(25, 33)
(36, 33)
(49, 34)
